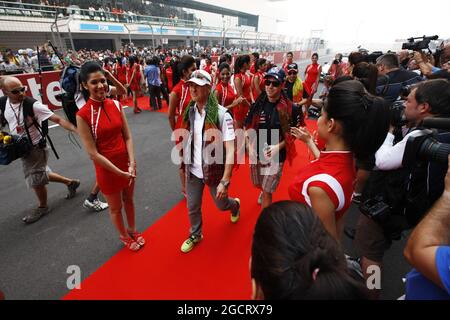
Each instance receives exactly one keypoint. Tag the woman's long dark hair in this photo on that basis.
(367, 73)
(240, 61)
(86, 70)
(290, 244)
(364, 117)
(179, 67)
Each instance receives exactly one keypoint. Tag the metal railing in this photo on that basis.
(24, 9)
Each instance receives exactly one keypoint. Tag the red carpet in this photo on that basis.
(217, 268)
(144, 104)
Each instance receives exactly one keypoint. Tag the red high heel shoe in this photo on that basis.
(138, 237)
(130, 243)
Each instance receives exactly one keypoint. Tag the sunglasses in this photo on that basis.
(276, 84)
(292, 72)
(20, 90)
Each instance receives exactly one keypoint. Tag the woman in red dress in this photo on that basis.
(311, 82)
(104, 130)
(134, 80)
(120, 72)
(179, 98)
(242, 83)
(353, 124)
(224, 91)
(258, 79)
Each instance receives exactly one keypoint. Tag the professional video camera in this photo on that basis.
(423, 44)
(424, 146)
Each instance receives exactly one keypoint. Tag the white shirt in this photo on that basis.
(15, 111)
(390, 157)
(227, 135)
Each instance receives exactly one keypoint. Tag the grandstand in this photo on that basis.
(107, 24)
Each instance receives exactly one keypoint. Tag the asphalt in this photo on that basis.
(34, 258)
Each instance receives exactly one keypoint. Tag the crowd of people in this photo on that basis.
(358, 157)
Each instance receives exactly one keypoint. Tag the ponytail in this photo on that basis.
(364, 117)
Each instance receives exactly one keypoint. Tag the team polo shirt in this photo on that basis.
(334, 172)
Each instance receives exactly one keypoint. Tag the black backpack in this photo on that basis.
(70, 83)
(28, 111)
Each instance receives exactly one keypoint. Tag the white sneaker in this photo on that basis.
(260, 198)
(95, 205)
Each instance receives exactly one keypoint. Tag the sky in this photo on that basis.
(370, 24)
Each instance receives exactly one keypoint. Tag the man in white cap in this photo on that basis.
(25, 62)
(210, 127)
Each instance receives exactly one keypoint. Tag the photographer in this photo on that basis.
(432, 72)
(428, 251)
(391, 79)
(37, 173)
(407, 192)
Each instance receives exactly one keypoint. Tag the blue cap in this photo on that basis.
(276, 73)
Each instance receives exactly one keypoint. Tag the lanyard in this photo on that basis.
(184, 93)
(95, 126)
(17, 116)
(224, 95)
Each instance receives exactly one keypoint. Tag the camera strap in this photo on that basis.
(39, 129)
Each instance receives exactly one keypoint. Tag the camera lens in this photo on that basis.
(433, 150)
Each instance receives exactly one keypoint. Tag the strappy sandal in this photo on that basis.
(130, 243)
(138, 237)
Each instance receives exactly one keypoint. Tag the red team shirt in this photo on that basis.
(106, 126)
(262, 86)
(333, 172)
(183, 93)
(241, 110)
(226, 94)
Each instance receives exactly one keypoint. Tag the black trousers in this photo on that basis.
(155, 97)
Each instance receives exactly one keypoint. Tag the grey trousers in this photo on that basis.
(194, 193)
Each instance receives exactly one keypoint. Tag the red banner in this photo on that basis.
(50, 88)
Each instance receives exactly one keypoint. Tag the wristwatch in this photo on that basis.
(225, 183)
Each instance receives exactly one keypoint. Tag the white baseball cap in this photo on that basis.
(201, 78)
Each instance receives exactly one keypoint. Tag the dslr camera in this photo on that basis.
(425, 146)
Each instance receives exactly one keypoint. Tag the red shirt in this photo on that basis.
(334, 173)
(183, 94)
(108, 131)
(121, 73)
(226, 94)
(253, 68)
(246, 84)
(262, 86)
(208, 68)
(169, 75)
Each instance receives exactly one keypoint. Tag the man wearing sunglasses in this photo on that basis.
(268, 126)
(37, 173)
(294, 85)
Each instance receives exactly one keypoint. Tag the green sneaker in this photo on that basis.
(190, 243)
(235, 217)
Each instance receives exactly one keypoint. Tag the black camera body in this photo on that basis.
(376, 209)
(397, 114)
(423, 146)
(420, 45)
